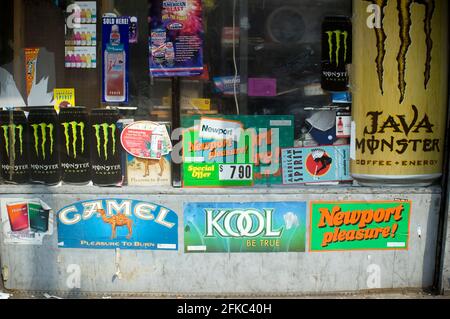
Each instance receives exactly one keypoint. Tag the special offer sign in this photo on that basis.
(359, 225)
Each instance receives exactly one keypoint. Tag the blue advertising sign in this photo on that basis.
(115, 52)
(244, 227)
(117, 223)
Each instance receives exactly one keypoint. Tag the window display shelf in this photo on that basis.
(130, 190)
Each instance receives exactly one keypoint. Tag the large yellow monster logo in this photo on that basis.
(404, 14)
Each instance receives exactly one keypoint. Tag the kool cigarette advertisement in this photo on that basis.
(359, 225)
(245, 227)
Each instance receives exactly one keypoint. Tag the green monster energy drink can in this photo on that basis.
(74, 145)
(106, 148)
(14, 147)
(44, 130)
(336, 53)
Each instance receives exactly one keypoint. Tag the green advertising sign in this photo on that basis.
(359, 225)
(245, 227)
(234, 150)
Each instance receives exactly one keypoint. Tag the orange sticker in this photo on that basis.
(31, 55)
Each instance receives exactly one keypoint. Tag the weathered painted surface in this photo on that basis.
(46, 268)
(445, 283)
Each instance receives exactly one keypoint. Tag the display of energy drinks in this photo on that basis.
(44, 130)
(38, 217)
(336, 53)
(105, 148)
(74, 145)
(18, 216)
(14, 148)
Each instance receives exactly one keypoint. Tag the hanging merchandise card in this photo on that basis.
(115, 52)
(176, 38)
(81, 35)
(85, 12)
(80, 58)
(85, 35)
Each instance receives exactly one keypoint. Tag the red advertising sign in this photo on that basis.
(146, 139)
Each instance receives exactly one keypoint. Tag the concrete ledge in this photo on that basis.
(282, 190)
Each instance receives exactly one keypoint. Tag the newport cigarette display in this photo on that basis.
(359, 225)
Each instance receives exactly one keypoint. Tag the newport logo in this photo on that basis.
(104, 128)
(337, 36)
(404, 8)
(212, 128)
(240, 223)
(72, 129)
(13, 128)
(42, 128)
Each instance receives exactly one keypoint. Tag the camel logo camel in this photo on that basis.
(404, 8)
(119, 220)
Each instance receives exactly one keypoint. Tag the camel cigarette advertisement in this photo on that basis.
(337, 226)
(316, 164)
(117, 223)
(25, 221)
(244, 227)
(176, 38)
(226, 151)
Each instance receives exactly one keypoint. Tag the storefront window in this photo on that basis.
(262, 89)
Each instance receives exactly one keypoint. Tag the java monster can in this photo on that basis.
(336, 53)
(106, 148)
(74, 145)
(43, 125)
(399, 83)
(14, 148)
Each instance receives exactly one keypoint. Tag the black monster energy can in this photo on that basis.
(74, 145)
(106, 148)
(14, 147)
(44, 133)
(336, 53)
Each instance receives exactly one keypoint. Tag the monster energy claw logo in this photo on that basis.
(404, 8)
(72, 128)
(105, 129)
(42, 128)
(13, 128)
(337, 34)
